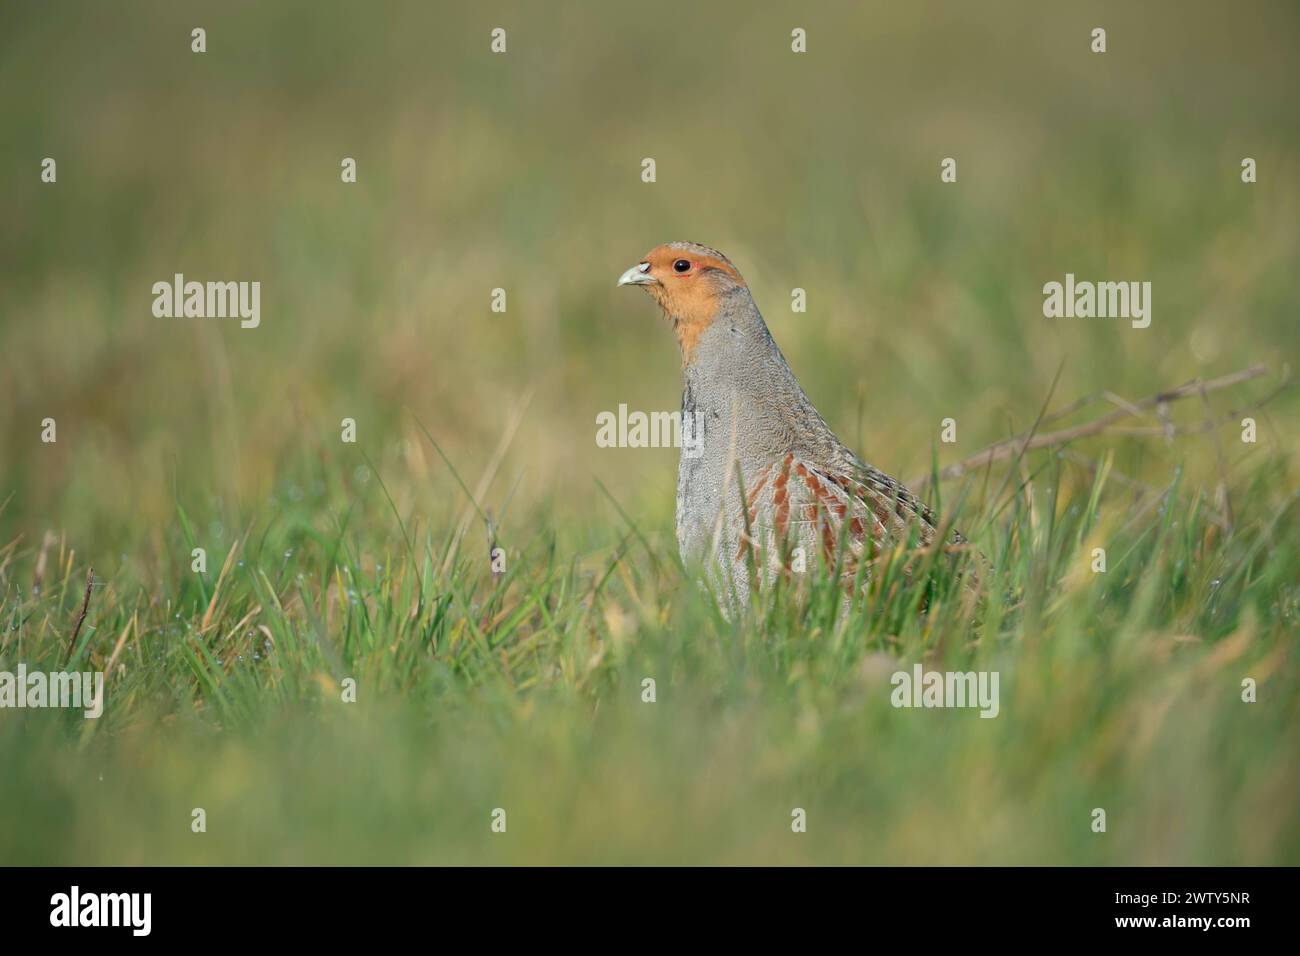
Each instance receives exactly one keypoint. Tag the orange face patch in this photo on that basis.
(687, 289)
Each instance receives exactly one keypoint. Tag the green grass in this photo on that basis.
(1119, 690)
(328, 561)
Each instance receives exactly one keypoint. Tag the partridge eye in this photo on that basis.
(681, 265)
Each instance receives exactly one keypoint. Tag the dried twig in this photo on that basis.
(81, 619)
(1028, 441)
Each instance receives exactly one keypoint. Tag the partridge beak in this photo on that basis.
(639, 274)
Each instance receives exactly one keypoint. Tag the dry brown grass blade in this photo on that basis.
(42, 558)
(216, 591)
(117, 648)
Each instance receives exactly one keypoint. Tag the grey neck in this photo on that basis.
(737, 366)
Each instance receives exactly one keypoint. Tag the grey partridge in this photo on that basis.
(763, 475)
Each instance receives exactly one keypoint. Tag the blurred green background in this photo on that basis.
(522, 171)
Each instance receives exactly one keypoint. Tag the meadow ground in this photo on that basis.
(523, 690)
